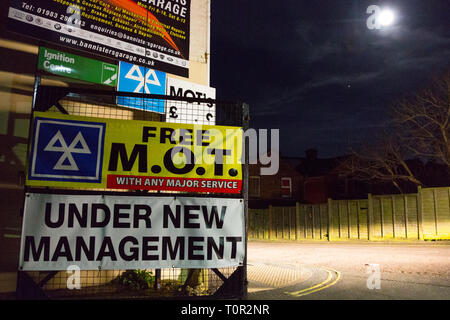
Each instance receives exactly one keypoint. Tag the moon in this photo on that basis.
(386, 17)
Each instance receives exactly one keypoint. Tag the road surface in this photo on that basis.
(348, 270)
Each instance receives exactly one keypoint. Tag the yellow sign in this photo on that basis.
(81, 152)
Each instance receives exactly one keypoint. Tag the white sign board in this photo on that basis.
(139, 232)
(184, 112)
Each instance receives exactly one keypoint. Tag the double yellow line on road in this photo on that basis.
(328, 282)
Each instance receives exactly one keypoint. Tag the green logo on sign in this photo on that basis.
(109, 74)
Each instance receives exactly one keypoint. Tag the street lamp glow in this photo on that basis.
(386, 17)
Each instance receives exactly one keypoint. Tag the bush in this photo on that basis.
(136, 279)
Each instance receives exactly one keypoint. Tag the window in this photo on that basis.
(286, 187)
(254, 186)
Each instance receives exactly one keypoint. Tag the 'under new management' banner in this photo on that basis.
(83, 152)
(121, 232)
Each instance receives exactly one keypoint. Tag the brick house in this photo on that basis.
(303, 179)
(313, 180)
(284, 188)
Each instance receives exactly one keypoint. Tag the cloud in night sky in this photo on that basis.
(313, 69)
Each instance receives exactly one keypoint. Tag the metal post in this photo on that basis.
(257, 225)
(37, 83)
(369, 216)
(406, 215)
(306, 222)
(358, 222)
(297, 221)
(435, 213)
(290, 223)
(419, 213)
(320, 221)
(348, 220)
(266, 224)
(157, 284)
(393, 215)
(21, 275)
(270, 222)
(381, 217)
(329, 213)
(245, 174)
(339, 219)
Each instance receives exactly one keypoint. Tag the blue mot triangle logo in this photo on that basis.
(67, 150)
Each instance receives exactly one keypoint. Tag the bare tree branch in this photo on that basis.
(421, 130)
(423, 122)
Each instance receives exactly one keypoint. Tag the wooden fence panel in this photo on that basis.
(316, 221)
(345, 219)
(387, 214)
(399, 207)
(263, 225)
(323, 221)
(442, 196)
(293, 224)
(251, 219)
(302, 221)
(392, 217)
(412, 216)
(334, 220)
(307, 212)
(377, 219)
(278, 215)
(286, 224)
(352, 209)
(255, 225)
(363, 210)
(298, 224)
(429, 213)
(435, 213)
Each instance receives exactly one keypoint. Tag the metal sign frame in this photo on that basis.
(48, 99)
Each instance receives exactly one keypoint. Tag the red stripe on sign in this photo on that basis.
(173, 184)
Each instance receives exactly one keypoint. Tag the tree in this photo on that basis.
(420, 130)
(383, 162)
(424, 122)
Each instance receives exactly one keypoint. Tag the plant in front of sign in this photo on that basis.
(136, 279)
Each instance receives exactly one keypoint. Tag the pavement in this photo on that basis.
(266, 276)
(345, 270)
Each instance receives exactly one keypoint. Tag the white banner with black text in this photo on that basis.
(131, 232)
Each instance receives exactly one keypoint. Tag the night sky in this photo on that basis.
(312, 68)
